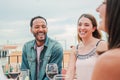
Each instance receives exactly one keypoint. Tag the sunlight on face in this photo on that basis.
(101, 9)
(39, 29)
(85, 27)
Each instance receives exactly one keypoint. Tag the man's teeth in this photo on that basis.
(40, 34)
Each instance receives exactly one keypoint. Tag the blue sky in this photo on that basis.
(61, 15)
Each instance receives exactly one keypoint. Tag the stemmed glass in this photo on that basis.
(14, 71)
(24, 74)
(51, 70)
(5, 69)
(11, 71)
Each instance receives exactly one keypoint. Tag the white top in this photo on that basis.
(85, 64)
(84, 68)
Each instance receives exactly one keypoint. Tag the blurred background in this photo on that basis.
(61, 15)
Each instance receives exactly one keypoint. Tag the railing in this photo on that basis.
(14, 59)
(66, 59)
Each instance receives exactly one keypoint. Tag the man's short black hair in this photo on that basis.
(31, 22)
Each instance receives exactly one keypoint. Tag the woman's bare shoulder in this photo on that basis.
(113, 54)
(110, 57)
(102, 47)
(108, 66)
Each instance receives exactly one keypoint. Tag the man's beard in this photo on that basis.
(42, 38)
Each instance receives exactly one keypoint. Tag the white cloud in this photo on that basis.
(61, 15)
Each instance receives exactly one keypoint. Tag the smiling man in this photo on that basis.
(42, 50)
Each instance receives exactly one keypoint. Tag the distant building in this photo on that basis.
(5, 50)
(11, 53)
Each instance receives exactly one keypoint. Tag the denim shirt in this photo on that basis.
(52, 53)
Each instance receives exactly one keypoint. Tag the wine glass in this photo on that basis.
(51, 70)
(14, 70)
(24, 74)
(5, 69)
(60, 77)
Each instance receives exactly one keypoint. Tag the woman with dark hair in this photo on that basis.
(108, 65)
(83, 56)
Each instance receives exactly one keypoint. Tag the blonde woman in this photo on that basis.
(83, 56)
